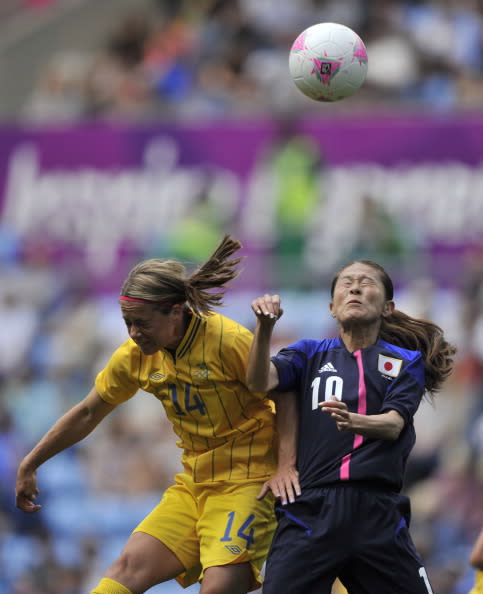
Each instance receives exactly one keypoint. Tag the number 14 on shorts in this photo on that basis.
(242, 529)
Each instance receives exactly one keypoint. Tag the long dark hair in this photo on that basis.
(412, 333)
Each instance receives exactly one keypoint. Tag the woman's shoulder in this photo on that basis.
(407, 354)
(224, 325)
(310, 346)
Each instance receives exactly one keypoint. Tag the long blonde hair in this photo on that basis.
(167, 283)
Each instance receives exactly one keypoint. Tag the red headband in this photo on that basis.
(136, 300)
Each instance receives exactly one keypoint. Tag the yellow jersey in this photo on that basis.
(226, 432)
(478, 587)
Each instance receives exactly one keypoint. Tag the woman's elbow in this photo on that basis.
(256, 386)
(396, 428)
(393, 433)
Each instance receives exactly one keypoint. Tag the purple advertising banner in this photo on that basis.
(301, 194)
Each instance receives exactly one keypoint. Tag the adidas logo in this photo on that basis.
(328, 367)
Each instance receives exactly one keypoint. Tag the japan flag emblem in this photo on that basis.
(389, 366)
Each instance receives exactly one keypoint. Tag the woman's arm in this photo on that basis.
(262, 375)
(476, 561)
(285, 483)
(476, 557)
(387, 425)
(71, 428)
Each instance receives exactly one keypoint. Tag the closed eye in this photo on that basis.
(138, 323)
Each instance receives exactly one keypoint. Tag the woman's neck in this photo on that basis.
(356, 338)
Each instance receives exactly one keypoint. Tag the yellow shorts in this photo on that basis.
(211, 524)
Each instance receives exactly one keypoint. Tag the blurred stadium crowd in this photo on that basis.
(228, 58)
(196, 61)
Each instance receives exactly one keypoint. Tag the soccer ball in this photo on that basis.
(328, 62)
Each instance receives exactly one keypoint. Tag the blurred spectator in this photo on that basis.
(128, 41)
(61, 91)
(10, 450)
(19, 327)
(281, 208)
(382, 237)
(144, 458)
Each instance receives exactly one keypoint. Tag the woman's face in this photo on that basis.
(359, 296)
(152, 330)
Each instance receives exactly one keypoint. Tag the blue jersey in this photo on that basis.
(370, 381)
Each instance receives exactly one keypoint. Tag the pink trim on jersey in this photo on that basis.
(362, 410)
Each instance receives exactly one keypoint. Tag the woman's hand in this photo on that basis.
(26, 491)
(284, 484)
(338, 411)
(267, 308)
(386, 425)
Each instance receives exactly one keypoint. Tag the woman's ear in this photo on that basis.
(331, 308)
(389, 308)
(177, 310)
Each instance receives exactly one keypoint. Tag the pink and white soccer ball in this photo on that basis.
(328, 62)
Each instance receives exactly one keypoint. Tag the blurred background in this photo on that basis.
(132, 129)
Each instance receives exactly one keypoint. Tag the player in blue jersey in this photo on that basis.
(354, 397)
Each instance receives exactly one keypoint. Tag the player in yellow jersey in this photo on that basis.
(476, 561)
(209, 525)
